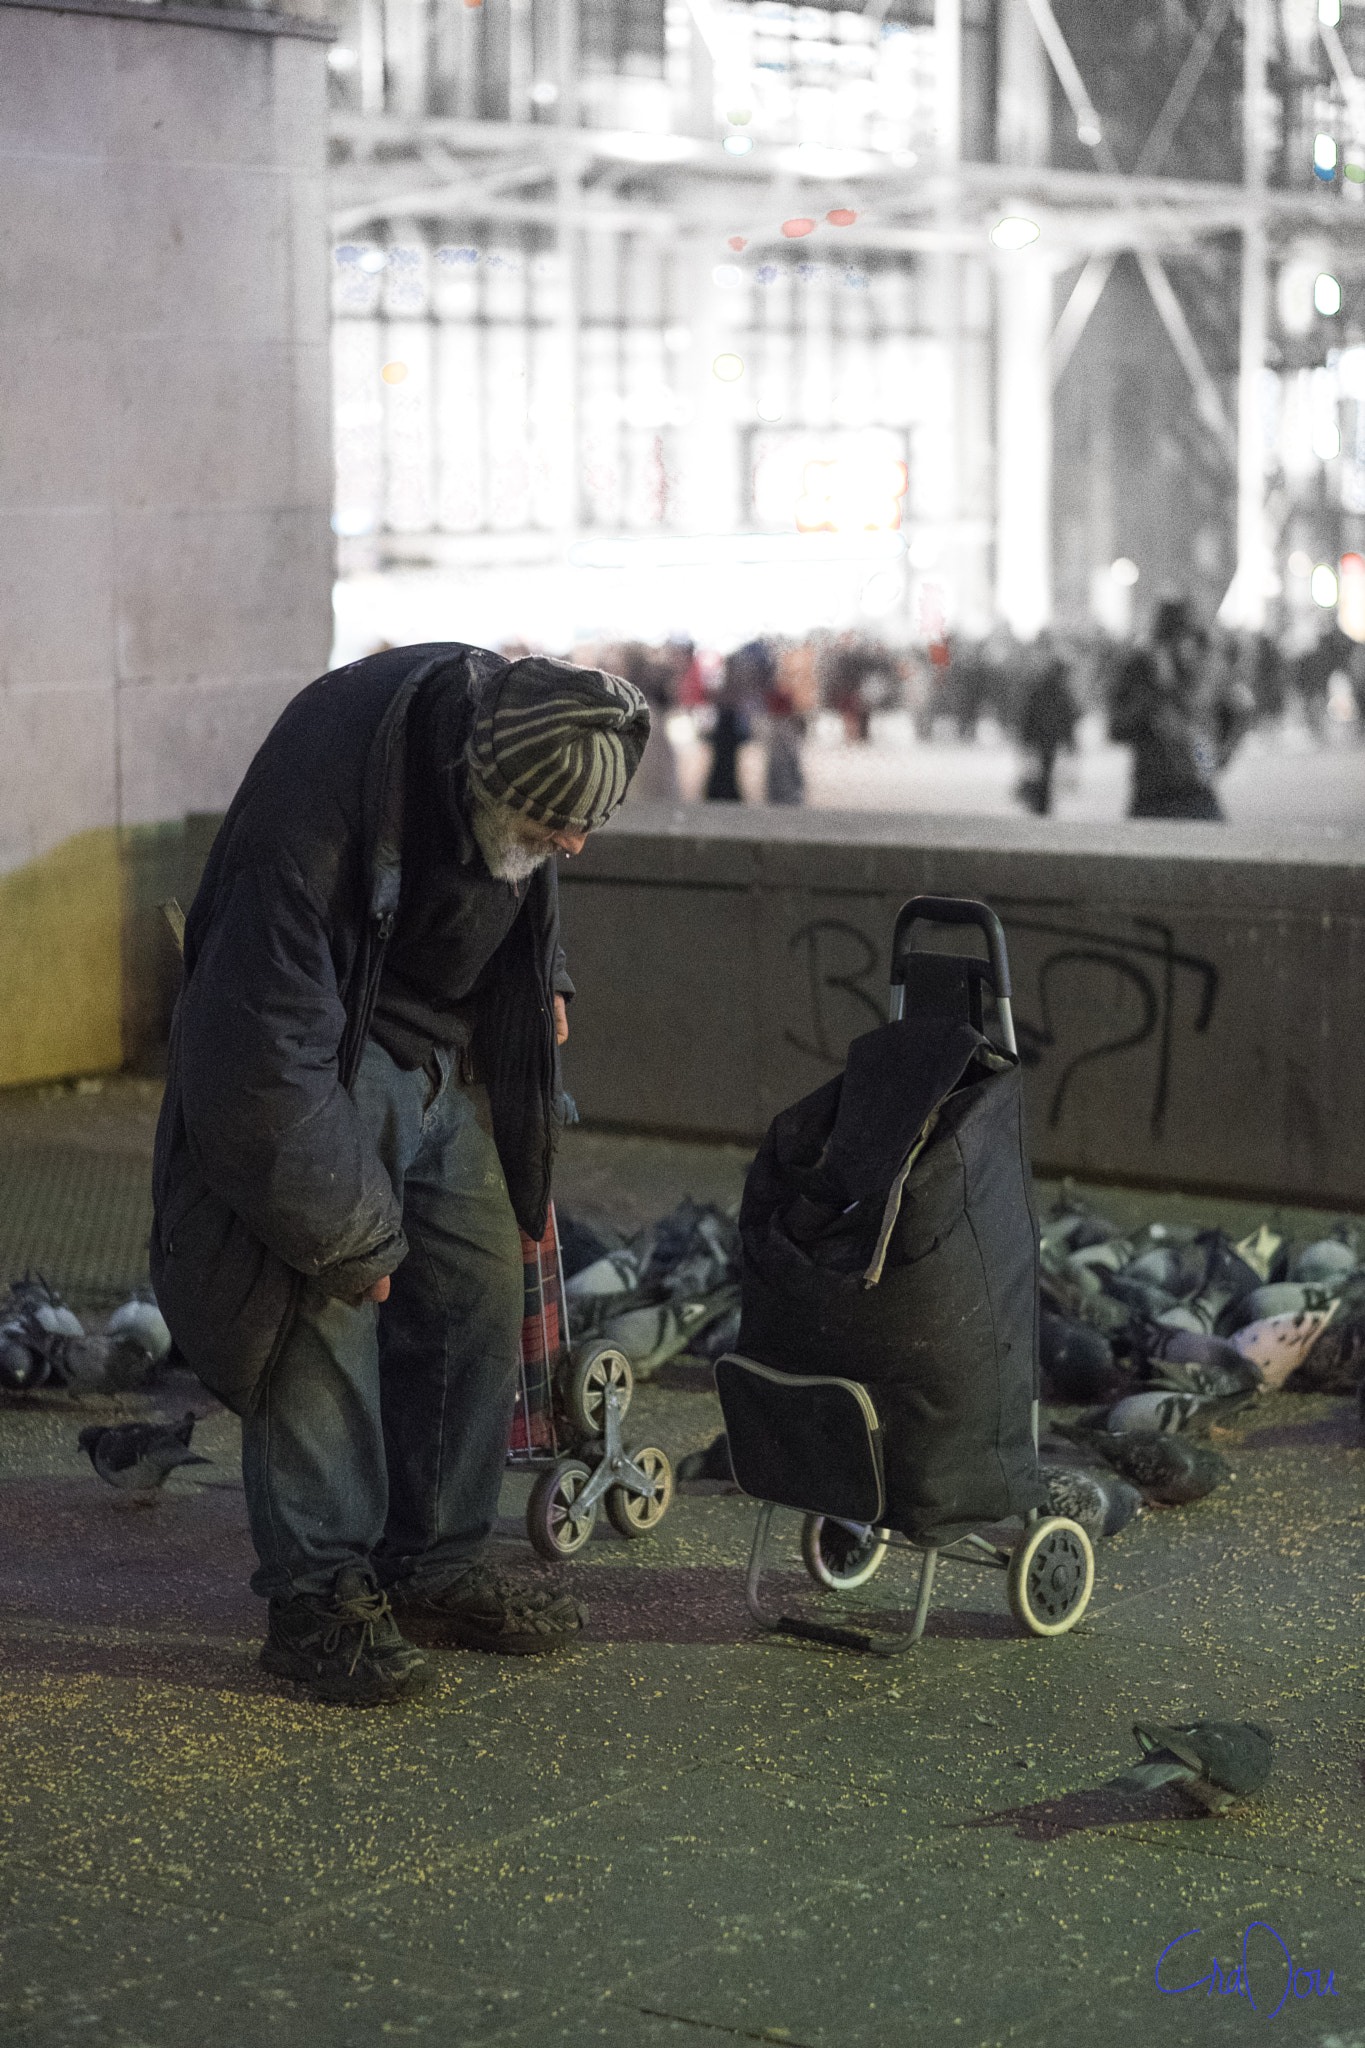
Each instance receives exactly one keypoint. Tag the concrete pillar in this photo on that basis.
(1023, 326)
(568, 195)
(1246, 600)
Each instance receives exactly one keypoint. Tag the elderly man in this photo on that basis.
(361, 1107)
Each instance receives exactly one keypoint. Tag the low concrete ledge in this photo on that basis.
(1189, 997)
(249, 21)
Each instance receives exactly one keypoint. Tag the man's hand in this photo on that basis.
(378, 1292)
(561, 1020)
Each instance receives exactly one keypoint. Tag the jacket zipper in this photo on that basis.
(383, 929)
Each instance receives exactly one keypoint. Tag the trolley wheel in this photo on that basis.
(592, 1371)
(1051, 1576)
(838, 1557)
(639, 1514)
(553, 1527)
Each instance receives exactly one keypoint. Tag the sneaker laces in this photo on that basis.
(362, 1612)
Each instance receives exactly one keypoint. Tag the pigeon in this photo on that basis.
(141, 1324)
(1078, 1361)
(712, 1463)
(1100, 1501)
(1215, 1762)
(1326, 1263)
(1203, 1364)
(1282, 1298)
(1167, 1414)
(136, 1456)
(1210, 1381)
(613, 1273)
(1168, 1470)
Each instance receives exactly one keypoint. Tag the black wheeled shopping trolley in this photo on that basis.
(884, 1382)
(566, 1425)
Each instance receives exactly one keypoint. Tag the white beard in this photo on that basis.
(507, 859)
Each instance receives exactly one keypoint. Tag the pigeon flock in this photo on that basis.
(43, 1343)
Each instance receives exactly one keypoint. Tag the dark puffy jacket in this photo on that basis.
(263, 1174)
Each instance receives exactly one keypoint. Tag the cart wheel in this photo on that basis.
(1051, 1576)
(839, 1557)
(639, 1514)
(553, 1527)
(593, 1370)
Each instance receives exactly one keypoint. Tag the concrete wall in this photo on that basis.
(1189, 998)
(165, 474)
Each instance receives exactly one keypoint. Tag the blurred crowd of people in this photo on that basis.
(1181, 699)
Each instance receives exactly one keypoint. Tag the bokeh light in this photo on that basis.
(394, 373)
(841, 217)
(738, 145)
(1324, 586)
(794, 228)
(1124, 572)
(1013, 232)
(1324, 156)
(1326, 293)
(729, 368)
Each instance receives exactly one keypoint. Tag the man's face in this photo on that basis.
(515, 846)
(543, 840)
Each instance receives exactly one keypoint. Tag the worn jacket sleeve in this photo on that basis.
(559, 980)
(273, 1130)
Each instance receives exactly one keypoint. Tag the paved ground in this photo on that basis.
(680, 1831)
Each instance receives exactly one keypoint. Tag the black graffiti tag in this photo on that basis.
(826, 943)
(820, 939)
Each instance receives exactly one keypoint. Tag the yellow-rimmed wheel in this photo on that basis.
(554, 1527)
(592, 1372)
(1051, 1576)
(638, 1514)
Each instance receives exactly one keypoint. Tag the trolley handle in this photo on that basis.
(955, 910)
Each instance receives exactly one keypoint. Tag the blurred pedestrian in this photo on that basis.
(861, 677)
(749, 675)
(1153, 711)
(652, 671)
(791, 698)
(1047, 722)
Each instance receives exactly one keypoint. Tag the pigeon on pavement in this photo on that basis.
(1078, 1361)
(1215, 1762)
(712, 1463)
(1166, 1414)
(136, 1456)
(1168, 1470)
(1100, 1501)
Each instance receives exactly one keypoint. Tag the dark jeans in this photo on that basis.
(379, 1435)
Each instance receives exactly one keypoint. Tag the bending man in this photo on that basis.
(361, 1107)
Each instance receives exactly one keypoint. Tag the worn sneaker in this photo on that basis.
(346, 1647)
(484, 1611)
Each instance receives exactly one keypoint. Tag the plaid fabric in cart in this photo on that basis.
(544, 1347)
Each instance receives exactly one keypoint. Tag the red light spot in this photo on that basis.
(939, 653)
(792, 228)
(841, 217)
(737, 242)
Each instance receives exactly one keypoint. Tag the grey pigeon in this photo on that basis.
(1328, 1262)
(1170, 1470)
(1100, 1501)
(136, 1456)
(1165, 1414)
(1215, 1762)
(1191, 1364)
(712, 1463)
(1078, 1361)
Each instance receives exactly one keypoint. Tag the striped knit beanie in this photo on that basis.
(557, 743)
